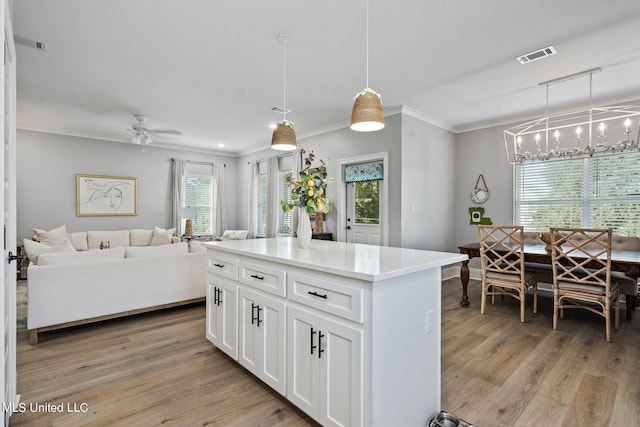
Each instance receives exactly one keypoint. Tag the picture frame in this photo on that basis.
(104, 195)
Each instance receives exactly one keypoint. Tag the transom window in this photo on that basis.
(596, 192)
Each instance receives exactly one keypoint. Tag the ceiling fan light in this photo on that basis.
(135, 139)
(284, 137)
(367, 114)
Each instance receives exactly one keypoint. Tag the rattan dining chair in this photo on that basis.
(581, 262)
(503, 273)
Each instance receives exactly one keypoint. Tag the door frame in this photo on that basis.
(341, 202)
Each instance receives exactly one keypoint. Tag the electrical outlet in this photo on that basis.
(429, 321)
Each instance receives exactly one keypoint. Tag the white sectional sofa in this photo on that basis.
(70, 281)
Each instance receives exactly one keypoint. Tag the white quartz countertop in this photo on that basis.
(366, 262)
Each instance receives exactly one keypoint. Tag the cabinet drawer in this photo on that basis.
(266, 278)
(332, 297)
(223, 265)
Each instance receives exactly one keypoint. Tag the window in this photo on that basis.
(285, 219)
(367, 202)
(199, 194)
(597, 192)
(262, 205)
(285, 223)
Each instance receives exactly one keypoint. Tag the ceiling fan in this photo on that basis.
(142, 134)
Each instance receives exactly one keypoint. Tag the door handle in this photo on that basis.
(312, 334)
(348, 227)
(13, 257)
(320, 349)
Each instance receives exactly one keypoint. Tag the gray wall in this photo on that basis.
(46, 183)
(335, 145)
(482, 152)
(428, 186)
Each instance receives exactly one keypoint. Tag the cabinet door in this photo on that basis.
(341, 374)
(325, 367)
(303, 366)
(262, 337)
(222, 328)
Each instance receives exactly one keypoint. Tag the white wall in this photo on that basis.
(428, 186)
(46, 183)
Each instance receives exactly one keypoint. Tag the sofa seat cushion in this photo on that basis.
(35, 250)
(152, 251)
(113, 238)
(81, 257)
(140, 237)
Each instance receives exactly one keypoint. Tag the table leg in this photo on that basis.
(631, 303)
(464, 278)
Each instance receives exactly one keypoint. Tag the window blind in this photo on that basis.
(597, 192)
(198, 193)
(285, 224)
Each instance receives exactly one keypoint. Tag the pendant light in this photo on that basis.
(367, 114)
(284, 135)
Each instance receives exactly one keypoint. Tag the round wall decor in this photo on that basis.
(480, 193)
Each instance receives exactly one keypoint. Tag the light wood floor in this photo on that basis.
(158, 369)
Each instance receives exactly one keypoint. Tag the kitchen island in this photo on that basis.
(349, 333)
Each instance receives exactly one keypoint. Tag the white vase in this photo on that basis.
(304, 229)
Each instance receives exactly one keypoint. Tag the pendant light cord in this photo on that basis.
(367, 45)
(284, 80)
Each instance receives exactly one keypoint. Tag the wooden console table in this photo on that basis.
(627, 262)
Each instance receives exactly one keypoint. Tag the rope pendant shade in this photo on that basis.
(284, 136)
(367, 114)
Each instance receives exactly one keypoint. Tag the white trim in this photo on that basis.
(341, 194)
(412, 112)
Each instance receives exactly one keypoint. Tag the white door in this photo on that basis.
(8, 208)
(364, 213)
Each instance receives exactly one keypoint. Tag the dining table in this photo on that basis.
(627, 262)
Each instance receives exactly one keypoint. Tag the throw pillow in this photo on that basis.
(79, 240)
(51, 237)
(35, 249)
(162, 236)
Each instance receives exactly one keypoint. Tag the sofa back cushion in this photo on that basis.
(114, 238)
(140, 237)
(151, 251)
(81, 257)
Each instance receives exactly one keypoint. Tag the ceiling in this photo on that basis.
(213, 70)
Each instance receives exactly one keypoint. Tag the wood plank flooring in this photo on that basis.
(159, 369)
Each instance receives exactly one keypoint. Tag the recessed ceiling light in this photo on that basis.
(220, 144)
(537, 54)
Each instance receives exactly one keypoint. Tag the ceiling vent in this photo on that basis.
(34, 44)
(537, 54)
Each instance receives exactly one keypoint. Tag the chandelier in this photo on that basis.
(596, 131)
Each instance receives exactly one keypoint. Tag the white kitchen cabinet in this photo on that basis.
(222, 319)
(324, 372)
(261, 337)
(351, 332)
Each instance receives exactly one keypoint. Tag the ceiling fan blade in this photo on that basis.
(165, 131)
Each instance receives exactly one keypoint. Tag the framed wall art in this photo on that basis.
(100, 195)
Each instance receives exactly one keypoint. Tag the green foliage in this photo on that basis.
(367, 202)
(310, 190)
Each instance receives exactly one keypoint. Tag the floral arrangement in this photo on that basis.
(310, 191)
